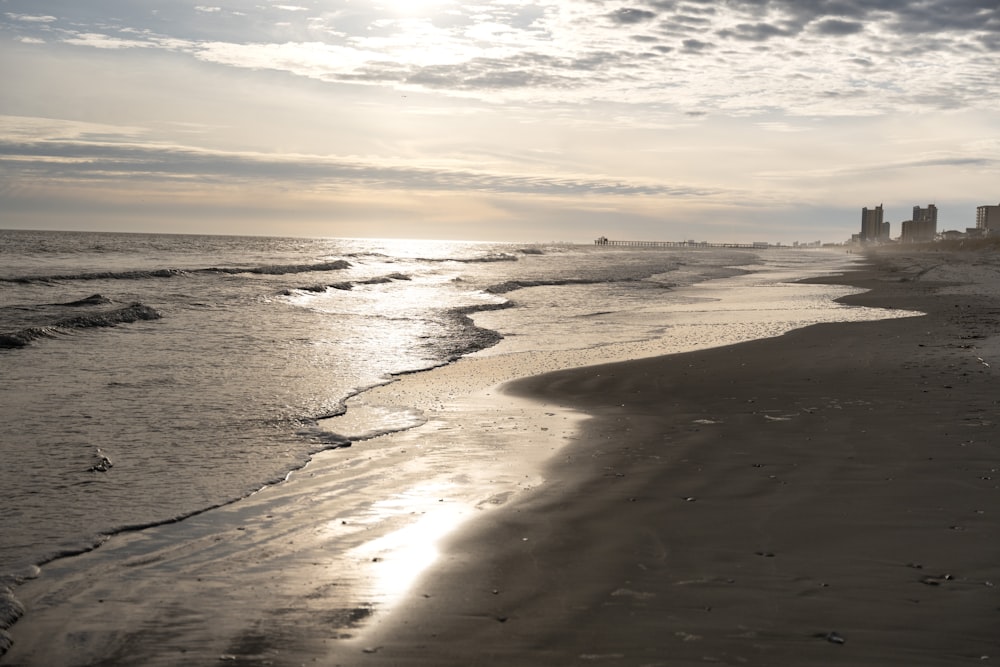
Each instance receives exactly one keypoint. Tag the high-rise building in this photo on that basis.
(926, 215)
(923, 227)
(988, 219)
(871, 224)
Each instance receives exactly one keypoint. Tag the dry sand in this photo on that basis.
(828, 497)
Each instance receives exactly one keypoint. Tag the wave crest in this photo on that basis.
(108, 318)
(512, 285)
(267, 270)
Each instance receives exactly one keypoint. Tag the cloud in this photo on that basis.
(555, 51)
(631, 15)
(756, 32)
(982, 162)
(101, 41)
(929, 16)
(838, 27)
(89, 161)
(696, 45)
(30, 18)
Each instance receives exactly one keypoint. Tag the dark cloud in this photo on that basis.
(836, 18)
(696, 45)
(929, 16)
(838, 27)
(628, 15)
(948, 15)
(756, 32)
(687, 19)
(596, 60)
(991, 42)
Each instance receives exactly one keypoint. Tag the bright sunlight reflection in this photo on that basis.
(424, 247)
(399, 557)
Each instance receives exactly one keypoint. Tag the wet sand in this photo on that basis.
(826, 497)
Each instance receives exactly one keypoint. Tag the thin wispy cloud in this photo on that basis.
(97, 155)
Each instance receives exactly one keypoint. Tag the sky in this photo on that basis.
(520, 120)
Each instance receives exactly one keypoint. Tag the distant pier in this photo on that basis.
(681, 244)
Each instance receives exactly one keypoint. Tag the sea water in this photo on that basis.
(147, 378)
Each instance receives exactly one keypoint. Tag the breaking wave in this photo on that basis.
(512, 285)
(347, 285)
(97, 275)
(267, 270)
(92, 300)
(108, 318)
(281, 269)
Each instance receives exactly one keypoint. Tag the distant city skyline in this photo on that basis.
(967, 220)
(529, 120)
(923, 225)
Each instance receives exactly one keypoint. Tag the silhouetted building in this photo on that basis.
(871, 224)
(926, 215)
(923, 227)
(988, 220)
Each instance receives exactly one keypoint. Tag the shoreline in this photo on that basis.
(593, 565)
(824, 497)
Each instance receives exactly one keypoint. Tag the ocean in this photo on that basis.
(147, 378)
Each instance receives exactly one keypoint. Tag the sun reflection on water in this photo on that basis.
(400, 556)
(426, 248)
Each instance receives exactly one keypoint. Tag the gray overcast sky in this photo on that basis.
(731, 120)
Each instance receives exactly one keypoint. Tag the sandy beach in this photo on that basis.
(824, 497)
